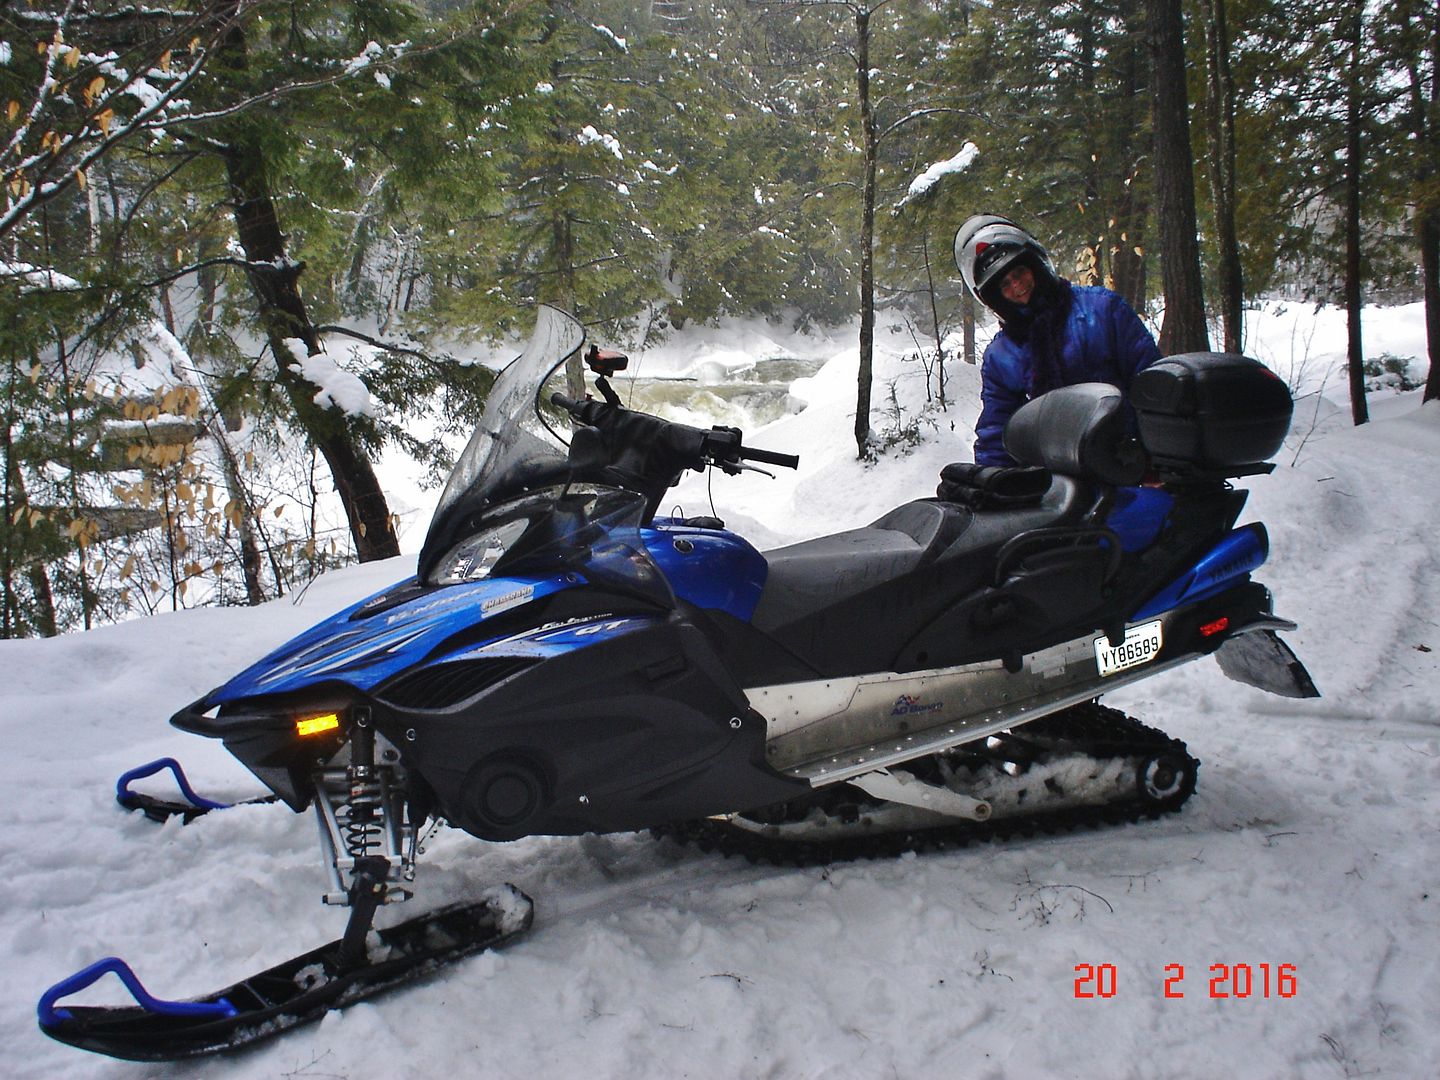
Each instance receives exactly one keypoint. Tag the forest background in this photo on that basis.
(211, 210)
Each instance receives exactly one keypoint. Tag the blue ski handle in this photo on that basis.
(51, 1017)
(122, 786)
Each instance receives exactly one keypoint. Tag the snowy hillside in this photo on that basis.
(1312, 840)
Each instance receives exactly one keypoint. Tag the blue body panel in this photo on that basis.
(720, 570)
(551, 640)
(1227, 564)
(1138, 516)
(365, 652)
(711, 568)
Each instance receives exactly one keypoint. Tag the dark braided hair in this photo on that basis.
(1041, 323)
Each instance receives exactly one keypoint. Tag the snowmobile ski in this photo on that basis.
(297, 991)
(162, 810)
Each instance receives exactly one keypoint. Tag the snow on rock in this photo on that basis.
(610, 35)
(1311, 840)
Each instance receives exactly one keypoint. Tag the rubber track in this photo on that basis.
(1092, 728)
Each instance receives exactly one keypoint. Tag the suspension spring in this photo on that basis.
(361, 819)
(361, 816)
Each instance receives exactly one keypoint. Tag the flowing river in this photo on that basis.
(746, 397)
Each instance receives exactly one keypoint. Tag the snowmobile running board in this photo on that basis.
(297, 991)
(161, 810)
(882, 730)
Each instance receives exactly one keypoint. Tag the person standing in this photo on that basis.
(1052, 333)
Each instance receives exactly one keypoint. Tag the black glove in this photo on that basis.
(992, 487)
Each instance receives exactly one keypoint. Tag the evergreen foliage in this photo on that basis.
(436, 167)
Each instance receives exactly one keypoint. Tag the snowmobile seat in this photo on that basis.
(1065, 503)
(932, 524)
(817, 573)
(813, 575)
(843, 603)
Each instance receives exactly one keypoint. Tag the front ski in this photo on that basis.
(292, 993)
(162, 810)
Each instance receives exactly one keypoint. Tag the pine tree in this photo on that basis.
(1184, 327)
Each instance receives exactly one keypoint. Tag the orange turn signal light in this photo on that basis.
(317, 725)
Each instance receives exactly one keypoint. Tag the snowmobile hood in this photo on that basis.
(365, 650)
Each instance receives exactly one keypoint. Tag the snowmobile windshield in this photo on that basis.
(509, 508)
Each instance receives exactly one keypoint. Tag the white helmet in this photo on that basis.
(987, 246)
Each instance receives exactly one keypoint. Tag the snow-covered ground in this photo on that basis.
(1312, 840)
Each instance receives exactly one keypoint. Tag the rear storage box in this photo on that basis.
(1210, 412)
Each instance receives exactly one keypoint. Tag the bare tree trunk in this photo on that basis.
(967, 325)
(1426, 122)
(868, 141)
(244, 520)
(89, 600)
(10, 496)
(45, 620)
(274, 279)
(1430, 261)
(1128, 259)
(1220, 91)
(1094, 239)
(1184, 327)
(1359, 408)
(35, 570)
(562, 231)
(935, 323)
(562, 227)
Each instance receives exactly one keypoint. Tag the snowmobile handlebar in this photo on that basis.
(770, 457)
(720, 446)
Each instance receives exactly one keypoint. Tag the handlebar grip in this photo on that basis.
(770, 457)
(569, 404)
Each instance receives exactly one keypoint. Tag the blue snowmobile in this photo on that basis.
(566, 661)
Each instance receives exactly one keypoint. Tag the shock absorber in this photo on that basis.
(361, 814)
(361, 817)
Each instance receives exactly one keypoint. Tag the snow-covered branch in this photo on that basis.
(107, 90)
(35, 177)
(922, 184)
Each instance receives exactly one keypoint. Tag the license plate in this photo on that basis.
(1141, 645)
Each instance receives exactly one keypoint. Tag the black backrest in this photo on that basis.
(1077, 431)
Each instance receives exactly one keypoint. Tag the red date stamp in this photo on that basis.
(1229, 981)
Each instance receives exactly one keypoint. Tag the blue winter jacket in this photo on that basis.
(1105, 341)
